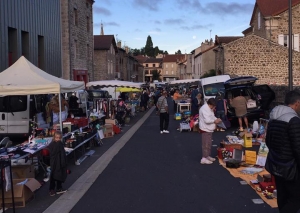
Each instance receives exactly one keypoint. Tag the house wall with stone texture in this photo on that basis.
(255, 56)
(100, 65)
(77, 37)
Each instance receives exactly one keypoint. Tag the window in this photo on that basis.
(146, 65)
(153, 65)
(16, 103)
(75, 48)
(172, 65)
(75, 17)
(88, 24)
(167, 72)
(166, 66)
(172, 71)
(284, 41)
(258, 20)
(12, 45)
(25, 44)
(41, 52)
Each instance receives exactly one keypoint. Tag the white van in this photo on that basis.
(15, 115)
(210, 86)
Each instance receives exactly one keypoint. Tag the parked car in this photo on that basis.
(261, 95)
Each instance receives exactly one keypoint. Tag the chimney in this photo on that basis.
(126, 49)
(119, 44)
(102, 31)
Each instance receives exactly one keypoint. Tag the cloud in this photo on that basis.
(174, 21)
(195, 27)
(140, 39)
(150, 5)
(157, 22)
(101, 10)
(217, 8)
(154, 32)
(112, 23)
(137, 30)
(157, 29)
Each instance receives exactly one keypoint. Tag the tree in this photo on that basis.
(178, 52)
(149, 50)
(210, 73)
(156, 75)
(136, 52)
(166, 53)
(156, 51)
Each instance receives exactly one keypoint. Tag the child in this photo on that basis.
(58, 164)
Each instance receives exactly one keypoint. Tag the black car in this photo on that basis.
(260, 95)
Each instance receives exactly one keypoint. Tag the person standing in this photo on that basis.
(207, 125)
(240, 106)
(197, 102)
(176, 96)
(221, 109)
(283, 160)
(58, 164)
(163, 109)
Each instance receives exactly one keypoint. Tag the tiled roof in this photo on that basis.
(103, 42)
(141, 59)
(225, 39)
(172, 58)
(153, 60)
(272, 7)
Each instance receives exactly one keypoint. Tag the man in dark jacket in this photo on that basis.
(283, 161)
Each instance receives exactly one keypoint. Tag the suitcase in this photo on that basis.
(184, 126)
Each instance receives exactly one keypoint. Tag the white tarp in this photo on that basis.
(184, 81)
(114, 83)
(23, 78)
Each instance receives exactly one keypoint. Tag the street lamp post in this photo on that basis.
(290, 48)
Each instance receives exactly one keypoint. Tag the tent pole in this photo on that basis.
(60, 121)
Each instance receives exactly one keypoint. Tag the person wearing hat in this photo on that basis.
(239, 104)
(163, 109)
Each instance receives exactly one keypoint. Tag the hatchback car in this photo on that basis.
(259, 97)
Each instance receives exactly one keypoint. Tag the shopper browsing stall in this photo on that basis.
(58, 164)
(162, 105)
(54, 108)
(283, 160)
(240, 106)
(176, 96)
(207, 125)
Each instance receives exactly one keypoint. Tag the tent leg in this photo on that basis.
(60, 116)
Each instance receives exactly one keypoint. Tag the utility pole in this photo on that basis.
(290, 48)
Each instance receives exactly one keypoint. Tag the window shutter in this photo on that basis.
(281, 39)
(296, 42)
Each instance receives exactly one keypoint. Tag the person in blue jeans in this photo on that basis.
(163, 109)
(221, 109)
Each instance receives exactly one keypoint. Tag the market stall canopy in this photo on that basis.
(23, 78)
(114, 83)
(185, 81)
(126, 89)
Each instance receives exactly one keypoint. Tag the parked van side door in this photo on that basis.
(15, 115)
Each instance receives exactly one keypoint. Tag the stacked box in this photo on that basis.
(108, 130)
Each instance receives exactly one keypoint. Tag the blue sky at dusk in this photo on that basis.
(172, 24)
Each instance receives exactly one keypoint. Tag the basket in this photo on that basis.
(232, 146)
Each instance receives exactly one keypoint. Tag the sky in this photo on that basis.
(172, 24)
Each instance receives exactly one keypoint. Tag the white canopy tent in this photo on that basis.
(114, 83)
(184, 81)
(23, 78)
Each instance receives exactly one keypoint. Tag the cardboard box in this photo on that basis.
(247, 137)
(23, 171)
(22, 193)
(108, 134)
(110, 121)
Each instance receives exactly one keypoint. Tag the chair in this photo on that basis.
(5, 143)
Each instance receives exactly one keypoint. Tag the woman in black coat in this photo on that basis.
(58, 164)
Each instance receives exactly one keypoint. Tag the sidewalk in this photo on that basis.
(42, 199)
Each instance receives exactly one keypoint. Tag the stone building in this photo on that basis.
(120, 65)
(170, 69)
(185, 67)
(36, 34)
(151, 64)
(105, 50)
(77, 39)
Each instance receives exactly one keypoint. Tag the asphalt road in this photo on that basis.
(157, 172)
